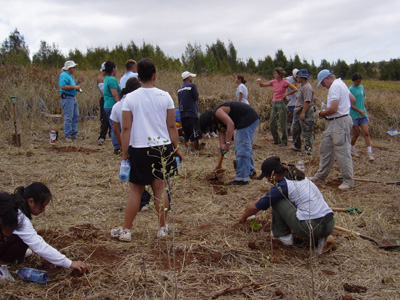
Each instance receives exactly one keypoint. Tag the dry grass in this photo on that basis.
(208, 252)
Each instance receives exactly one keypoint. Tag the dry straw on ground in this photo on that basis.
(208, 255)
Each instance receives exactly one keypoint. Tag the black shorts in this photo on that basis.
(146, 164)
(191, 128)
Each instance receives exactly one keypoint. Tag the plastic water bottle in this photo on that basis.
(5, 274)
(300, 166)
(38, 276)
(178, 162)
(124, 170)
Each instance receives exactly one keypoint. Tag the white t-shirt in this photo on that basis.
(339, 91)
(116, 111)
(101, 86)
(149, 116)
(309, 201)
(242, 89)
(29, 236)
(292, 98)
(125, 77)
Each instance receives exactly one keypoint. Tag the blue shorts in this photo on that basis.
(360, 121)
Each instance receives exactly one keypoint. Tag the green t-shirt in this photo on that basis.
(359, 94)
(110, 83)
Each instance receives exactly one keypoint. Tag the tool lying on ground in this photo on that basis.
(372, 181)
(16, 137)
(348, 210)
(385, 244)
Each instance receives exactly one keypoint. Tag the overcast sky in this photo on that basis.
(348, 30)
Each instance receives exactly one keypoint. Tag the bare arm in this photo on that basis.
(293, 89)
(126, 132)
(117, 134)
(222, 115)
(240, 97)
(173, 132)
(303, 112)
(250, 210)
(70, 87)
(258, 80)
(115, 95)
(353, 99)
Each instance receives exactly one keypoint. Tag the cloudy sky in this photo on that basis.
(363, 30)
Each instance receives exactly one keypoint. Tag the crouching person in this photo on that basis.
(297, 205)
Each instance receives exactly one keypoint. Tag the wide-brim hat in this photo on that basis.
(303, 73)
(187, 74)
(68, 65)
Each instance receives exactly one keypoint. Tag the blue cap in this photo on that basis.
(322, 75)
(303, 73)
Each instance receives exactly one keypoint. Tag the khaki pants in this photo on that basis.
(335, 142)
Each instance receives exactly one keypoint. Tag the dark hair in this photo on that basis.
(205, 121)
(356, 76)
(273, 165)
(8, 211)
(280, 71)
(146, 69)
(241, 78)
(109, 67)
(129, 63)
(37, 190)
(131, 85)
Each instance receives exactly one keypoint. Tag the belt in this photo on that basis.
(331, 119)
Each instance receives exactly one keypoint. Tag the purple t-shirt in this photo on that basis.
(279, 87)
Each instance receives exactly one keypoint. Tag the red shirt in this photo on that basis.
(279, 88)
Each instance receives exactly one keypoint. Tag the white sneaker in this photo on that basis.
(163, 231)
(28, 252)
(287, 240)
(213, 134)
(344, 187)
(321, 246)
(354, 153)
(122, 234)
(146, 207)
(290, 139)
(371, 156)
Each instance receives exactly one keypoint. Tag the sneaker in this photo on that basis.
(100, 141)
(116, 232)
(76, 137)
(321, 245)
(371, 156)
(193, 152)
(253, 174)
(354, 153)
(287, 240)
(146, 207)
(290, 139)
(68, 140)
(117, 151)
(295, 149)
(344, 187)
(213, 134)
(28, 252)
(163, 231)
(122, 234)
(238, 182)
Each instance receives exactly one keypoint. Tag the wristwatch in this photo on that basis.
(227, 144)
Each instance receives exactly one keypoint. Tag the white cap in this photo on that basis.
(187, 74)
(68, 65)
(294, 72)
(103, 67)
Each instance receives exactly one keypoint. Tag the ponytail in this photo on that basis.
(38, 191)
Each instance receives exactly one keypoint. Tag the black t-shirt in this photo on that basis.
(187, 100)
(242, 114)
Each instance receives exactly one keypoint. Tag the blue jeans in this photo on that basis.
(71, 116)
(113, 139)
(244, 151)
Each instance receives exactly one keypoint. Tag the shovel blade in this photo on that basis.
(390, 243)
(16, 140)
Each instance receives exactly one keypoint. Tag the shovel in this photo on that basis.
(16, 137)
(347, 210)
(385, 244)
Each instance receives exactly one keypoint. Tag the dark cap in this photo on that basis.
(271, 164)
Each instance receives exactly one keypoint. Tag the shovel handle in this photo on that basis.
(345, 230)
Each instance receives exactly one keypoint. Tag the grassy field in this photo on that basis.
(208, 255)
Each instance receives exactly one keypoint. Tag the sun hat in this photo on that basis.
(187, 74)
(322, 75)
(269, 165)
(103, 67)
(303, 73)
(68, 65)
(294, 72)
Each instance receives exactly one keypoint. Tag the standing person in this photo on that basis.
(149, 141)
(227, 117)
(303, 120)
(359, 115)
(130, 65)
(279, 110)
(104, 122)
(291, 100)
(189, 112)
(17, 232)
(335, 140)
(241, 92)
(68, 91)
(111, 96)
(297, 205)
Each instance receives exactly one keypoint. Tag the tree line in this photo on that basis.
(217, 58)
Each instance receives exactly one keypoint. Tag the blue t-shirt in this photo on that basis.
(110, 83)
(359, 93)
(276, 193)
(66, 79)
